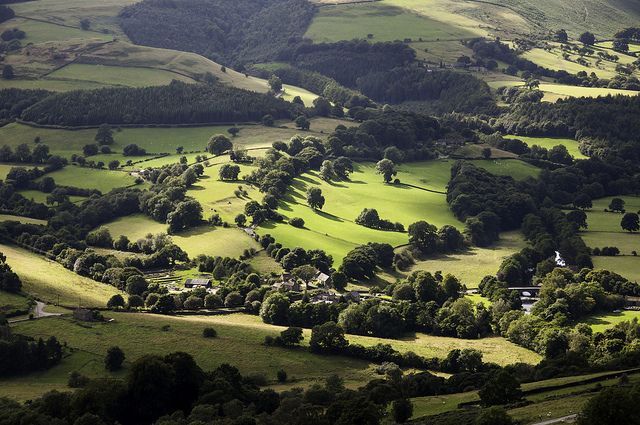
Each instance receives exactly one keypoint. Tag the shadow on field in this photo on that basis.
(328, 216)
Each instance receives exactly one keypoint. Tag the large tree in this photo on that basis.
(218, 144)
(387, 168)
(104, 136)
(424, 236)
(315, 198)
(630, 222)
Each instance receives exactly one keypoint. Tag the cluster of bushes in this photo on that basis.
(606, 251)
(14, 203)
(176, 103)
(296, 257)
(363, 261)
(21, 355)
(369, 218)
(233, 32)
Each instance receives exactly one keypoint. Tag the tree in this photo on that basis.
(297, 222)
(165, 304)
(579, 218)
(233, 131)
(630, 222)
(85, 24)
(616, 405)
(136, 285)
(241, 220)
(424, 236)
(561, 36)
(500, 388)
(116, 301)
(322, 106)
(486, 153)
(402, 410)
(302, 122)
(229, 172)
(133, 150)
(587, 38)
(114, 164)
(339, 281)
(7, 72)
(620, 45)
(387, 168)
(186, 214)
(315, 198)
(268, 120)
(327, 172)
(582, 201)
(494, 416)
(275, 309)
(90, 149)
(104, 136)
(328, 337)
(218, 144)
(275, 83)
(114, 358)
(617, 205)
(291, 336)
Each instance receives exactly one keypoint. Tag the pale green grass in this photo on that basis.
(264, 264)
(51, 85)
(334, 230)
(383, 19)
(214, 241)
(554, 60)
(41, 32)
(5, 168)
(117, 75)
(92, 178)
(239, 342)
(292, 91)
(472, 265)
(434, 405)
(515, 168)
(10, 302)
(24, 220)
(49, 281)
(552, 91)
(432, 175)
(600, 221)
(160, 140)
(626, 242)
(474, 151)
(602, 322)
(479, 299)
(627, 266)
(550, 142)
(41, 197)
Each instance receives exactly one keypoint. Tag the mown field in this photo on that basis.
(50, 282)
(602, 322)
(553, 92)
(43, 32)
(237, 333)
(41, 197)
(550, 142)
(24, 220)
(117, 75)
(11, 303)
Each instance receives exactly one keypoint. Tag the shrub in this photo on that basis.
(282, 375)
(209, 333)
(297, 222)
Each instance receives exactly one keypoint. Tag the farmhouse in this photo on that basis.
(322, 279)
(197, 283)
(288, 283)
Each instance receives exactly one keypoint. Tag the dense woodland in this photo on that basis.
(231, 32)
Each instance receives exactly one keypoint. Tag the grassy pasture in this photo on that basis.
(23, 220)
(48, 281)
(225, 242)
(471, 266)
(626, 266)
(41, 197)
(384, 19)
(515, 168)
(10, 302)
(238, 333)
(41, 32)
(5, 168)
(600, 221)
(553, 92)
(117, 75)
(334, 230)
(602, 322)
(549, 142)
(91, 178)
(160, 139)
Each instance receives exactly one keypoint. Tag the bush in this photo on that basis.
(209, 333)
(114, 358)
(297, 222)
(282, 375)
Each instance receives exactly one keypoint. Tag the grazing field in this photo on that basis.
(42, 32)
(24, 220)
(41, 197)
(117, 75)
(601, 221)
(515, 168)
(474, 151)
(333, 228)
(5, 168)
(602, 322)
(550, 142)
(48, 281)
(383, 19)
(627, 266)
(553, 92)
(472, 265)
(12, 303)
(237, 333)
(91, 178)
(160, 139)
(209, 240)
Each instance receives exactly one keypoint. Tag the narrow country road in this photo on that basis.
(38, 312)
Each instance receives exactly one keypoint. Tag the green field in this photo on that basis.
(11, 303)
(627, 266)
(602, 322)
(214, 241)
(117, 75)
(240, 342)
(158, 140)
(333, 229)
(92, 178)
(50, 282)
(42, 32)
(600, 221)
(550, 142)
(41, 197)
(5, 168)
(553, 92)
(24, 220)
(515, 168)
(472, 265)
(385, 20)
